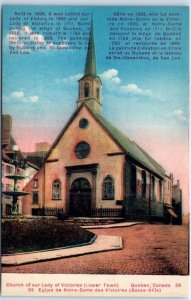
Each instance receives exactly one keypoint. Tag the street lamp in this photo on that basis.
(15, 148)
(14, 209)
(15, 162)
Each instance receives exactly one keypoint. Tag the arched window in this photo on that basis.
(98, 93)
(153, 188)
(56, 189)
(80, 184)
(108, 188)
(133, 180)
(86, 90)
(144, 184)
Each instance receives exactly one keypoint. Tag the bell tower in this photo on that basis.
(90, 84)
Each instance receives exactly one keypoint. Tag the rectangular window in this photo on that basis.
(35, 183)
(19, 171)
(8, 187)
(8, 209)
(35, 198)
(9, 169)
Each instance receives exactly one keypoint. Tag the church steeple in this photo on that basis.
(90, 84)
(90, 67)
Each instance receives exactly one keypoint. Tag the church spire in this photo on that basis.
(90, 67)
(90, 84)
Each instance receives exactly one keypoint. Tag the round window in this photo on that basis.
(82, 150)
(83, 123)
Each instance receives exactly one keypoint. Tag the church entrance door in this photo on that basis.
(80, 198)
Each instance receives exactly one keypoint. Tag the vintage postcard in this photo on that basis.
(95, 151)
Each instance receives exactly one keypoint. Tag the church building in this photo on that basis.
(92, 169)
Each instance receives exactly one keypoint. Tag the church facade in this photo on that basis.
(93, 169)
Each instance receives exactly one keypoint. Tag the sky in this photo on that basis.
(147, 100)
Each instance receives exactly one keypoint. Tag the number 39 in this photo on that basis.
(177, 284)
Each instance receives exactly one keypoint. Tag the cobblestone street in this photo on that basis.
(147, 249)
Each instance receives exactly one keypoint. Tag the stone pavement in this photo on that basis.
(101, 243)
(148, 249)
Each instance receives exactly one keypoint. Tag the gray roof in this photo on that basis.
(131, 147)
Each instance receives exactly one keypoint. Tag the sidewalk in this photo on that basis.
(101, 243)
(114, 225)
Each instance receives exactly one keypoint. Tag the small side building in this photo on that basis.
(36, 157)
(177, 202)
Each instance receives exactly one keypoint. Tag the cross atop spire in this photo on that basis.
(90, 67)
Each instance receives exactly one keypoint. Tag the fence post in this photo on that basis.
(43, 211)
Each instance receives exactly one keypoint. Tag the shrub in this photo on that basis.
(25, 236)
